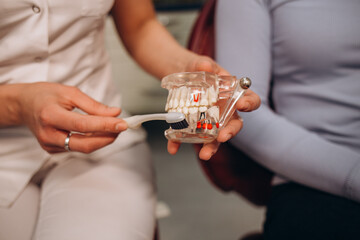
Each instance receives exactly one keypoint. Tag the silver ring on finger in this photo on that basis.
(67, 141)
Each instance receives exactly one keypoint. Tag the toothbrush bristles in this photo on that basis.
(179, 125)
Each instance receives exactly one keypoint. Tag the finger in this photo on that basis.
(207, 65)
(208, 150)
(72, 121)
(249, 102)
(210, 66)
(52, 140)
(89, 143)
(230, 130)
(173, 147)
(53, 150)
(91, 106)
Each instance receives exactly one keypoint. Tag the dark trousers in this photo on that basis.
(298, 212)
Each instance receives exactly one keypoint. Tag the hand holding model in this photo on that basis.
(249, 102)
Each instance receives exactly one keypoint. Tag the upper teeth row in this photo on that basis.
(187, 100)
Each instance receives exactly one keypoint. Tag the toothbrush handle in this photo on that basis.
(136, 121)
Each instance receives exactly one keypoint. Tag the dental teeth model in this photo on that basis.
(206, 100)
(195, 104)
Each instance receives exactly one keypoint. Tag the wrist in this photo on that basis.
(10, 106)
(182, 62)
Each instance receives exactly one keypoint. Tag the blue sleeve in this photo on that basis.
(243, 47)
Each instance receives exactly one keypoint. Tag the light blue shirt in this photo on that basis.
(305, 56)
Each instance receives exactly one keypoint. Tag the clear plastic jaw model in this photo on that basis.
(207, 101)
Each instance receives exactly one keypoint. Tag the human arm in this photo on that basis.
(46, 109)
(147, 41)
(159, 53)
(272, 140)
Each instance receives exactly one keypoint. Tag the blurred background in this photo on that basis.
(189, 206)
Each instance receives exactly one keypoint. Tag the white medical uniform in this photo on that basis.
(108, 194)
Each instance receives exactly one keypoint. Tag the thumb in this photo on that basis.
(209, 65)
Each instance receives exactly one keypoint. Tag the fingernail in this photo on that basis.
(247, 106)
(228, 137)
(112, 108)
(120, 126)
(210, 156)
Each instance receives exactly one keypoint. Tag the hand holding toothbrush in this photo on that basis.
(46, 109)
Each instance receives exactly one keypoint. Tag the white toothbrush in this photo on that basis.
(175, 119)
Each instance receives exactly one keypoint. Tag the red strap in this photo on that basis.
(229, 169)
(201, 39)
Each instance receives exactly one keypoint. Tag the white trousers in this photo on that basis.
(80, 200)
